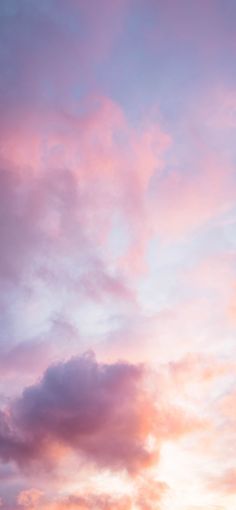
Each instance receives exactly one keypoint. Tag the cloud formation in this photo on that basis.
(104, 413)
(117, 233)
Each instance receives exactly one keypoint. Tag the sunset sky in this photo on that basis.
(118, 254)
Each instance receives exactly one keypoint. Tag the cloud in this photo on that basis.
(101, 502)
(91, 196)
(225, 483)
(29, 498)
(147, 495)
(232, 307)
(104, 413)
(65, 179)
(32, 499)
(150, 494)
(227, 405)
(187, 201)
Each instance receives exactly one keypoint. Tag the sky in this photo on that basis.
(118, 254)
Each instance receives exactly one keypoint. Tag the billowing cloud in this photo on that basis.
(104, 413)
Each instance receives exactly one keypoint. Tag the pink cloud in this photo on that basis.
(227, 406)
(225, 483)
(29, 498)
(232, 307)
(74, 171)
(25, 357)
(186, 201)
(146, 496)
(82, 406)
